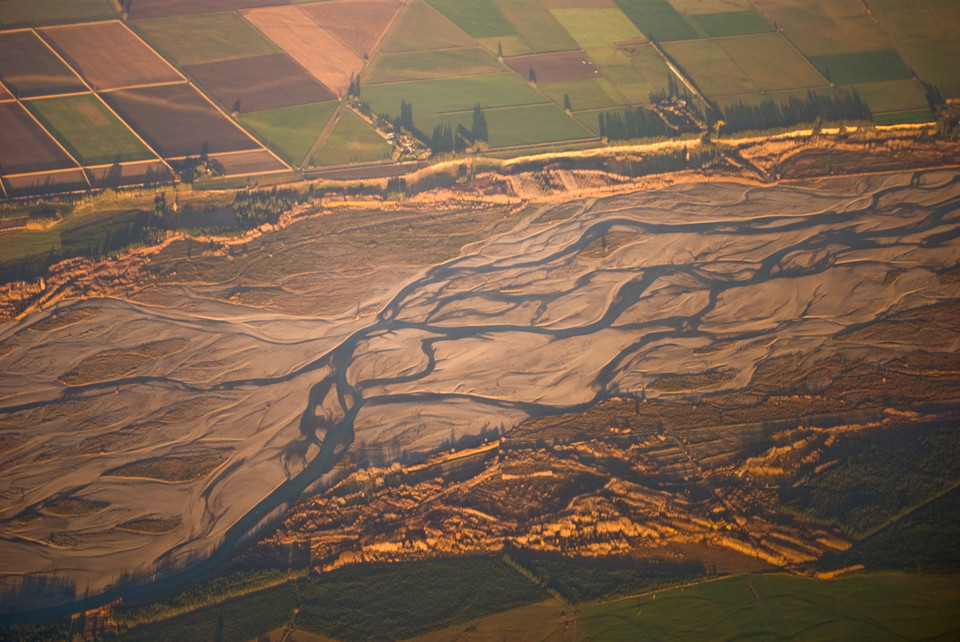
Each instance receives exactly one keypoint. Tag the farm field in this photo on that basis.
(479, 19)
(258, 83)
(731, 23)
(635, 71)
(351, 141)
(256, 161)
(555, 67)
(145, 173)
(32, 13)
(657, 19)
(44, 183)
(91, 133)
(861, 67)
(429, 65)
(24, 146)
(893, 96)
(28, 67)
(592, 93)
(290, 130)
(423, 28)
(781, 606)
(524, 125)
(109, 56)
(358, 24)
(156, 8)
(208, 37)
(177, 121)
(593, 28)
(537, 29)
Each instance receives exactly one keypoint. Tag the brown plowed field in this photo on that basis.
(357, 23)
(555, 67)
(110, 56)
(29, 68)
(136, 174)
(260, 82)
(252, 162)
(44, 183)
(178, 121)
(4, 94)
(24, 146)
(316, 49)
(157, 8)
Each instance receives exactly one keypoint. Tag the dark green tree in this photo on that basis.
(479, 129)
(566, 102)
(533, 75)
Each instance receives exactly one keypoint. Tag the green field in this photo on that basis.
(352, 141)
(479, 18)
(207, 37)
(593, 28)
(871, 607)
(714, 73)
(636, 73)
(426, 65)
(771, 63)
(590, 93)
(657, 19)
(430, 97)
(860, 67)
(893, 95)
(28, 13)
(537, 29)
(527, 125)
(900, 117)
(732, 23)
(290, 131)
(89, 131)
(422, 27)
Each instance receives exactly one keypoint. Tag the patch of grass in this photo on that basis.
(732, 23)
(479, 18)
(290, 131)
(526, 125)
(410, 598)
(786, 607)
(30, 13)
(352, 140)
(424, 65)
(175, 468)
(89, 131)
(205, 37)
(657, 19)
(861, 67)
(593, 28)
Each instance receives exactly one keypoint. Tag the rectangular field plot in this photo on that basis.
(352, 141)
(91, 133)
(421, 28)
(31, 13)
(290, 131)
(555, 67)
(590, 93)
(258, 83)
(430, 97)
(24, 146)
(149, 173)
(293, 30)
(208, 37)
(732, 23)
(110, 56)
(537, 29)
(258, 161)
(45, 183)
(636, 72)
(358, 24)
(892, 96)
(824, 27)
(863, 66)
(597, 27)
(528, 125)
(479, 18)
(157, 8)
(426, 65)
(177, 121)
(29, 68)
(657, 19)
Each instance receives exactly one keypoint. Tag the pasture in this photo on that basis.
(89, 131)
(636, 72)
(24, 146)
(862, 66)
(28, 67)
(591, 93)
(593, 28)
(358, 24)
(427, 65)
(537, 30)
(32, 13)
(893, 96)
(147, 173)
(732, 23)
(209, 37)
(524, 125)
(177, 121)
(249, 162)
(555, 67)
(478, 18)
(110, 56)
(352, 141)
(37, 184)
(258, 83)
(657, 19)
(290, 131)
(771, 63)
(422, 27)
(786, 607)
(156, 8)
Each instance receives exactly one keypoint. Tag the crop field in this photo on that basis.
(209, 37)
(35, 184)
(4, 94)
(250, 162)
(290, 130)
(537, 29)
(430, 97)
(258, 83)
(525, 125)
(292, 29)
(31, 13)
(591, 93)
(148, 173)
(24, 146)
(657, 19)
(786, 607)
(352, 141)
(356, 23)
(423, 28)
(635, 71)
(863, 66)
(479, 18)
(732, 23)
(555, 67)
(177, 121)
(29, 68)
(156, 8)
(824, 27)
(91, 133)
(110, 56)
(893, 96)
(427, 65)
(597, 27)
